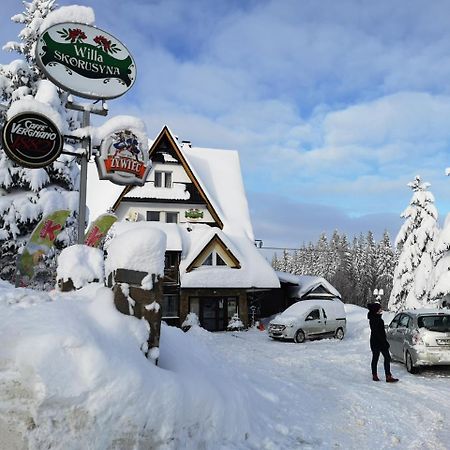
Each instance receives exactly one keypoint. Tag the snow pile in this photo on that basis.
(82, 264)
(114, 125)
(72, 376)
(140, 249)
(72, 13)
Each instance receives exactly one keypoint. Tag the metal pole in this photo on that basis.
(83, 180)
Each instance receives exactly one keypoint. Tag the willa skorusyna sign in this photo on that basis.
(85, 60)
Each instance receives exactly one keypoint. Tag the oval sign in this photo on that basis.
(32, 140)
(85, 61)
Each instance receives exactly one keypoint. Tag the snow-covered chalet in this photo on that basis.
(196, 196)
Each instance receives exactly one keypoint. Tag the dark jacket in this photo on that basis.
(378, 339)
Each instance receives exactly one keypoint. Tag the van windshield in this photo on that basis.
(435, 323)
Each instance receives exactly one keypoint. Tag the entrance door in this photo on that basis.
(215, 312)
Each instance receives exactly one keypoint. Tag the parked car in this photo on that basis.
(310, 319)
(420, 338)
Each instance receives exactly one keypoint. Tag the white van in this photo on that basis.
(310, 319)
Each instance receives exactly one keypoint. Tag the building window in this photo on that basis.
(171, 217)
(168, 179)
(214, 259)
(169, 306)
(163, 179)
(153, 216)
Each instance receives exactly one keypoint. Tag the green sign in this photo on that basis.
(85, 60)
(41, 241)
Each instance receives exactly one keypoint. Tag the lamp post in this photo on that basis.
(378, 293)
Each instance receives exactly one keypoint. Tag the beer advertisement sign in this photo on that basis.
(32, 140)
(85, 61)
(123, 159)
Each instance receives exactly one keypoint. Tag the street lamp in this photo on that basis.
(378, 293)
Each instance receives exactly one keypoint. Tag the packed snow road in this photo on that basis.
(320, 394)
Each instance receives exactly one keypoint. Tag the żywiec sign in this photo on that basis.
(85, 60)
(32, 140)
(123, 159)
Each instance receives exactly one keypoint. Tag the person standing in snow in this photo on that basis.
(378, 342)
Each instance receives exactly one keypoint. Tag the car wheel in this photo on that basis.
(409, 363)
(299, 337)
(339, 334)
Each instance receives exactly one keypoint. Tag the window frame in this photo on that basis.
(153, 212)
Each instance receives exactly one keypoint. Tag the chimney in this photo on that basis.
(188, 143)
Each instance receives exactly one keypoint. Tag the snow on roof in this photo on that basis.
(255, 271)
(306, 283)
(219, 174)
(176, 192)
(171, 230)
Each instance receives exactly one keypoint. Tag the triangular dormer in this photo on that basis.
(167, 154)
(215, 253)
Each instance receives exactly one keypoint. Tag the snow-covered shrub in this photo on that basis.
(190, 321)
(235, 323)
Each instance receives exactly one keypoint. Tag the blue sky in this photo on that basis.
(333, 105)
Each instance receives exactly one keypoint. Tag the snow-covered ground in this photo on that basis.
(72, 376)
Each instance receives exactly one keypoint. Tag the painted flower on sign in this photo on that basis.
(72, 34)
(105, 44)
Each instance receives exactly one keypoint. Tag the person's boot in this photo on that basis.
(391, 379)
(375, 377)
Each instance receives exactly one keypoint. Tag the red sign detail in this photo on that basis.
(49, 229)
(93, 237)
(123, 164)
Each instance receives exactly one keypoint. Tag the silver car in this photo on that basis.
(420, 338)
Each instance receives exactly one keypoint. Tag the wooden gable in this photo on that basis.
(221, 249)
(165, 144)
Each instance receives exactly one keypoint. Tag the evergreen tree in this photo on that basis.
(385, 264)
(415, 241)
(27, 194)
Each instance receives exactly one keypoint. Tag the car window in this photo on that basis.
(404, 321)
(394, 322)
(435, 322)
(324, 314)
(313, 315)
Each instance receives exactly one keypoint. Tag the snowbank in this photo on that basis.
(72, 376)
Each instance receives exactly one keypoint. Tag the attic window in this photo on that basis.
(163, 179)
(214, 259)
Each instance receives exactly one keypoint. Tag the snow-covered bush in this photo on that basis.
(190, 321)
(235, 323)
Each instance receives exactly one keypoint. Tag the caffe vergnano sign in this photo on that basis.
(85, 61)
(32, 140)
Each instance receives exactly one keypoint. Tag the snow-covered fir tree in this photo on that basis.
(28, 194)
(354, 270)
(415, 242)
(385, 264)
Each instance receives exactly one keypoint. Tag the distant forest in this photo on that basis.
(355, 269)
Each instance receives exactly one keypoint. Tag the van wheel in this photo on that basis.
(339, 334)
(409, 363)
(299, 337)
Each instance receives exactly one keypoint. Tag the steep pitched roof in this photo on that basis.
(166, 134)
